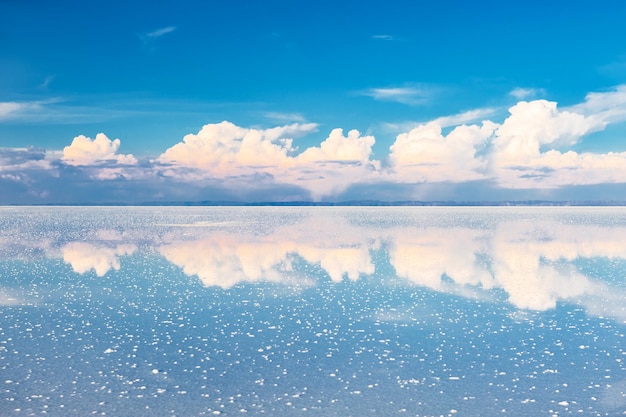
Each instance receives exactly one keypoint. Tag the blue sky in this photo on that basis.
(235, 100)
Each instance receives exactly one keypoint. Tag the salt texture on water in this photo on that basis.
(312, 311)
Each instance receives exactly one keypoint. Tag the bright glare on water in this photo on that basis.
(312, 311)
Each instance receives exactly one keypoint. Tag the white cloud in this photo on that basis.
(524, 93)
(384, 37)
(534, 124)
(528, 150)
(85, 151)
(10, 110)
(227, 151)
(425, 155)
(224, 149)
(160, 32)
(525, 149)
(337, 163)
(406, 95)
(468, 116)
(610, 106)
(285, 117)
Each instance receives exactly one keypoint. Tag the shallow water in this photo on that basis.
(312, 311)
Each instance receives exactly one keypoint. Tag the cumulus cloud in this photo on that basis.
(227, 151)
(538, 123)
(528, 150)
(224, 149)
(87, 151)
(526, 147)
(337, 163)
(424, 154)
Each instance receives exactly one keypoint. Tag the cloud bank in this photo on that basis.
(532, 148)
(249, 156)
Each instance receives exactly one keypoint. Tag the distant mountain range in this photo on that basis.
(356, 203)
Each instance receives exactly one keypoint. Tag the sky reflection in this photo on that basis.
(312, 311)
(533, 257)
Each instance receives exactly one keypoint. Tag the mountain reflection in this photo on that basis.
(536, 263)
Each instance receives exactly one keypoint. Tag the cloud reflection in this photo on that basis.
(536, 263)
(228, 258)
(84, 257)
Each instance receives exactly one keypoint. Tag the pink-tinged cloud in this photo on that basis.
(83, 256)
(86, 151)
(531, 149)
(226, 151)
(228, 257)
(528, 150)
(424, 154)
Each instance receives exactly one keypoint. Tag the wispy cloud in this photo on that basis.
(610, 106)
(524, 93)
(469, 116)
(10, 110)
(384, 37)
(46, 82)
(150, 39)
(285, 117)
(465, 117)
(58, 110)
(160, 32)
(411, 95)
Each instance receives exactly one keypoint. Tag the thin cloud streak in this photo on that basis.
(160, 32)
(384, 37)
(525, 93)
(410, 95)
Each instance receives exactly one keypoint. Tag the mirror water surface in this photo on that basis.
(291, 311)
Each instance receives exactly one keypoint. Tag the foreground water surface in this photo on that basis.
(312, 311)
